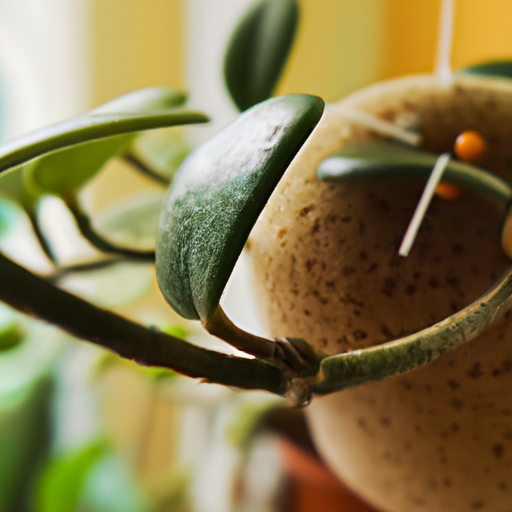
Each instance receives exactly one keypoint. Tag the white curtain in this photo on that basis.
(44, 62)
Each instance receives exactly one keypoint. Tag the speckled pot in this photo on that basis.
(438, 438)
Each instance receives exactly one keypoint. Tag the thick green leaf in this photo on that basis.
(64, 477)
(217, 196)
(70, 168)
(87, 128)
(497, 68)
(375, 160)
(258, 51)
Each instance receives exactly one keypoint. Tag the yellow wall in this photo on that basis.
(135, 44)
(342, 44)
(346, 44)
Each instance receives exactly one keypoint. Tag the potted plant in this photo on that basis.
(320, 196)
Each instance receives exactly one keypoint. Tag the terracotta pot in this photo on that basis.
(312, 487)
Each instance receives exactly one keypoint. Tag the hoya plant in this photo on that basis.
(321, 197)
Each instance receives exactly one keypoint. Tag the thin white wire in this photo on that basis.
(443, 68)
(421, 209)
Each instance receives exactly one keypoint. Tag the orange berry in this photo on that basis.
(470, 146)
(448, 191)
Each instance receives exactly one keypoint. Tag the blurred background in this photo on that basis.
(80, 429)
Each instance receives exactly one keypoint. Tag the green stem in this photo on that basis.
(222, 327)
(34, 296)
(140, 166)
(375, 363)
(86, 228)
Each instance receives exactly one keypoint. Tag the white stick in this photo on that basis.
(426, 197)
(378, 125)
(443, 68)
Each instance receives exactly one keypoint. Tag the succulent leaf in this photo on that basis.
(380, 160)
(70, 168)
(497, 68)
(258, 51)
(218, 194)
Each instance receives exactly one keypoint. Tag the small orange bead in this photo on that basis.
(470, 146)
(448, 191)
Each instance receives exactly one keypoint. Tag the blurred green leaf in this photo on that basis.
(11, 333)
(497, 68)
(176, 331)
(111, 287)
(12, 185)
(258, 50)
(110, 487)
(247, 420)
(24, 440)
(63, 478)
(70, 168)
(217, 196)
(10, 215)
(163, 150)
(133, 221)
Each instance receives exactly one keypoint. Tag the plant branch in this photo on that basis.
(63, 272)
(86, 228)
(140, 166)
(41, 238)
(34, 296)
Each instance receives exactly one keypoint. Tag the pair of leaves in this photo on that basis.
(66, 158)
(69, 169)
(258, 50)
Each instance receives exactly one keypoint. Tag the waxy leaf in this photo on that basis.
(377, 160)
(87, 128)
(498, 68)
(258, 51)
(69, 169)
(217, 196)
